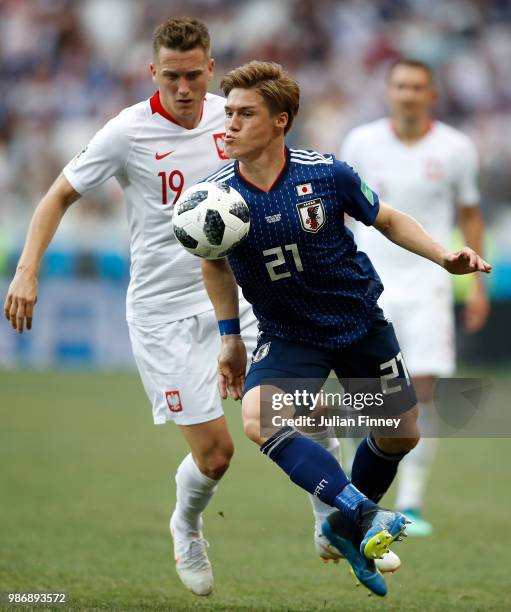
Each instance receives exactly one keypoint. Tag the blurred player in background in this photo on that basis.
(315, 298)
(155, 149)
(429, 170)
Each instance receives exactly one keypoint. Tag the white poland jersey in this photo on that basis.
(154, 159)
(426, 180)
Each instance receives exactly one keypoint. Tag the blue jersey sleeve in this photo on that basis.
(357, 199)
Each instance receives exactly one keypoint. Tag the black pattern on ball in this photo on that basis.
(191, 201)
(223, 187)
(214, 227)
(230, 249)
(184, 238)
(240, 210)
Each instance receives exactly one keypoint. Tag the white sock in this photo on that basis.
(326, 439)
(193, 492)
(415, 468)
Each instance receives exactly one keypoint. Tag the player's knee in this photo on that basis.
(215, 469)
(408, 435)
(396, 446)
(407, 444)
(252, 430)
(216, 463)
(251, 415)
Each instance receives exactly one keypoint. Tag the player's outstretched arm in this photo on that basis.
(409, 234)
(223, 293)
(22, 294)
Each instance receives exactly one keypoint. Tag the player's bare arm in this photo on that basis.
(22, 294)
(477, 306)
(406, 232)
(223, 293)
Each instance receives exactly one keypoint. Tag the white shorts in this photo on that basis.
(425, 331)
(177, 363)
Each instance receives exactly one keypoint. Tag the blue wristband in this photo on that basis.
(229, 326)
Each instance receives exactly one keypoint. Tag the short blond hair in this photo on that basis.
(280, 92)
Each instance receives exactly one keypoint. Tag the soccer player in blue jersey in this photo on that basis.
(315, 297)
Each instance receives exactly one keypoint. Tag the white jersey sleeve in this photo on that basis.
(105, 156)
(466, 169)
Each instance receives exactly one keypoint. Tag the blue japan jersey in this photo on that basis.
(299, 266)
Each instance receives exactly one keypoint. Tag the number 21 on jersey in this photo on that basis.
(279, 259)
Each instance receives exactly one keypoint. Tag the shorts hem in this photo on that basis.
(258, 381)
(192, 420)
(151, 319)
(435, 371)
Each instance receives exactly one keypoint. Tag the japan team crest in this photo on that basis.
(174, 401)
(220, 145)
(312, 215)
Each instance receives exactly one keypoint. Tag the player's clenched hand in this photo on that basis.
(20, 301)
(465, 261)
(232, 364)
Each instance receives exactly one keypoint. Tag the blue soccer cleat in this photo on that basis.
(380, 528)
(345, 539)
(328, 553)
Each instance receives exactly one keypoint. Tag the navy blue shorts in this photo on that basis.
(373, 364)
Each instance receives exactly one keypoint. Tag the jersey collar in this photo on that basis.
(429, 127)
(157, 107)
(279, 179)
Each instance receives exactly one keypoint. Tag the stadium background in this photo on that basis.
(76, 436)
(63, 74)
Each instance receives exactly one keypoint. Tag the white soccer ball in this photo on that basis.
(211, 219)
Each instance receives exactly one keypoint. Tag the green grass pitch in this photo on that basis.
(86, 488)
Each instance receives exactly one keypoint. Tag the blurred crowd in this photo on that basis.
(66, 66)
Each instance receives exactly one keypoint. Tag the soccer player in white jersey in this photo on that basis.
(429, 170)
(155, 149)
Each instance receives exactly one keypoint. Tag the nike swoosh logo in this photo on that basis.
(158, 156)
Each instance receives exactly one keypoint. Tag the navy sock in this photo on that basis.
(373, 469)
(307, 464)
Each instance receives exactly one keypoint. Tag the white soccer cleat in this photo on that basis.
(192, 564)
(390, 562)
